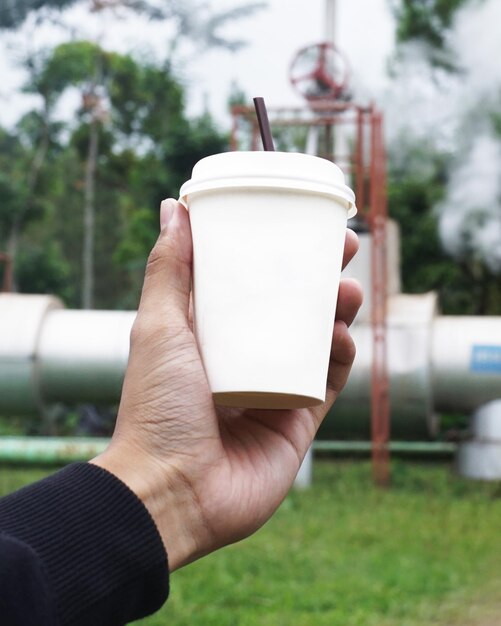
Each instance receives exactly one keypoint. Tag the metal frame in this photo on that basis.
(366, 164)
(380, 394)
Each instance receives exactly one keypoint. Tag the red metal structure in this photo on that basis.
(361, 156)
(320, 72)
(380, 392)
(7, 273)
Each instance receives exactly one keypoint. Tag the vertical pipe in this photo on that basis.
(380, 383)
(330, 142)
(234, 129)
(255, 136)
(359, 162)
(330, 21)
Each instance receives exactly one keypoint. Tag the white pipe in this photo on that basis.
(88, 350)
(21, 321)
(48, 354)
(465, 362)
(330, 21)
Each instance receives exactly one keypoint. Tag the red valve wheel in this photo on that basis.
(320, 72)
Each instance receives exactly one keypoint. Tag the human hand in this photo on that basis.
(209, 476)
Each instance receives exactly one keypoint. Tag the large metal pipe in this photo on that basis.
(22, 319)
(49, 354)
(88, 350)
(413, 416)
(465, 362)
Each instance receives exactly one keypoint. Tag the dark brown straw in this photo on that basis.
(264, 124)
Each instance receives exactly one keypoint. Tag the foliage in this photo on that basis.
(416, 184)
(424, 181)
(147, 149)
(129, 145)
(43, 269)
(11, 188)
(194, 19)
(14, 12)
(429, 22)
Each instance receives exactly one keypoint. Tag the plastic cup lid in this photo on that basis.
(282, 170)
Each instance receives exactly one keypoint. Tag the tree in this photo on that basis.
(81, 64)
(428, 22)
(444, 198)
(14, 12)
(35, 137)
(416, 183)
(147, 148)
(84, 65)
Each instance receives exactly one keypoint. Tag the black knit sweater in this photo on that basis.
(79, 548)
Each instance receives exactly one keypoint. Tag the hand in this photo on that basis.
(209, 476)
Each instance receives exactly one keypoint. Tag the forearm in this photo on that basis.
(101, 556)
(166, 495)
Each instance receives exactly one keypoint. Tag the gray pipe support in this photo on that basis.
(480, 457)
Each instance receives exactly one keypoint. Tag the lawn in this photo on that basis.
(426, 551)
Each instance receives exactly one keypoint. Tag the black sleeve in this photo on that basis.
(79, 549)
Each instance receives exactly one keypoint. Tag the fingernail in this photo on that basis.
(167, 209)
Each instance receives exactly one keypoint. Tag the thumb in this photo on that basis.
(167, 282)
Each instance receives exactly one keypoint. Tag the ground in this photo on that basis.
(343, 553)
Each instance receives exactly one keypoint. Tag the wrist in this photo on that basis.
(167, 496)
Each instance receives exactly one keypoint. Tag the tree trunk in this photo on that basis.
(89, 216)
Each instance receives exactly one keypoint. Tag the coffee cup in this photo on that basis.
(268, 238)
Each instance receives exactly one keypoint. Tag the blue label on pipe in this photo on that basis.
(486, 359)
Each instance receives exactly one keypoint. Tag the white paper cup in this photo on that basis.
(268, 235)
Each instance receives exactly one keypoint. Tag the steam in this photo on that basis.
(470, 216)
(453, 114)
(421, 104)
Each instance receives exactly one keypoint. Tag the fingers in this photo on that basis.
(167, 280)
(342, 354)
(343, 347)
(349, 300)
(350, 246)
(342, 357)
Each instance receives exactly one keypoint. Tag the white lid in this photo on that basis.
(286, 170)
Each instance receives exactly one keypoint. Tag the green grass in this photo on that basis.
(427, 551)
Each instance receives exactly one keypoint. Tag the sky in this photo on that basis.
(364, 32)
(438, 110)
